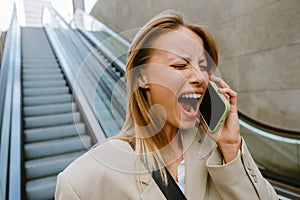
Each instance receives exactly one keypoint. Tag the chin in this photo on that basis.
(187, 124)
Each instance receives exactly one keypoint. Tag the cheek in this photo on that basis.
(167, 78)
(160, 94)
(206, 77)
(167, 99)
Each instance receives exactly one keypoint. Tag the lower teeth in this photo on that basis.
(192, 109)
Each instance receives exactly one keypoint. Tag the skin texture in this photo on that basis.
(178, 65)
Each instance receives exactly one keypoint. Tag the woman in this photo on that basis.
(169, 66)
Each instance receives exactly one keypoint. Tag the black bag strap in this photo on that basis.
(171, 191)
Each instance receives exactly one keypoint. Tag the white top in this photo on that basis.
(181, 175)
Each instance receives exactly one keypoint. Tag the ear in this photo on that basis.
(143, 82)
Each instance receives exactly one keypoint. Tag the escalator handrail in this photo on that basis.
(267, 128)
(268, 134)
(10, 155)
(99, 45)
(81, 101)
(102, 25)
(15, 166)
(5, 113)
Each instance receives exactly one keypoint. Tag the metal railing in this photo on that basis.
(10, 121)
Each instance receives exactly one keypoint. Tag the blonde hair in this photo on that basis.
(140, 123)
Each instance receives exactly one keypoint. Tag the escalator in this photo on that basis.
(52, 122)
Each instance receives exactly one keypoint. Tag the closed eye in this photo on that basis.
(181, 66)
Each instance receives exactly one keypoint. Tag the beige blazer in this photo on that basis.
(108, 172)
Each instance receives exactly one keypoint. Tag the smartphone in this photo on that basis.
(214, 108)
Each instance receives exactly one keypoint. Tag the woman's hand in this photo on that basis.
(228, 137)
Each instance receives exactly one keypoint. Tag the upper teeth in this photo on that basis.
(196, 96)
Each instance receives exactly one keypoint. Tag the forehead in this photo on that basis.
(180, 41)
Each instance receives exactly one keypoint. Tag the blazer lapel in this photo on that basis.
(151, 190)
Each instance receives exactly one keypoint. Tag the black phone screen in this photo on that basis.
(212, 107)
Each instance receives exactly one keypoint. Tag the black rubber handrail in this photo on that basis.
(276, 131)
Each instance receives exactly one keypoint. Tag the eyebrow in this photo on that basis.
(186, 58)
(177, 57)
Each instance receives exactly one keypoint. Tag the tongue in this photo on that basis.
(185, 106)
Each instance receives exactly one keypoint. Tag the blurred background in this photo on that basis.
(259, 49)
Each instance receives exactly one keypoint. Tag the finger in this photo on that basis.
(227, 96)
(231, 93)
(220, 82)
(228, 91)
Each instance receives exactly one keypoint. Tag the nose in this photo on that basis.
(196, 76)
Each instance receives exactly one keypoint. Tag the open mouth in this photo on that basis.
(189, 102)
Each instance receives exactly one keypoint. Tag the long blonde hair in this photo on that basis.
(138, 116)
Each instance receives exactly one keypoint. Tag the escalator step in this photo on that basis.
(49, 109)
(35, 77)
(42, 71)
(56, 147)
(40, 66)
(50, 165)
(43, 54)
(35, 61)
(39, 84)
(50, 133)
(49, 99)
(41, 189)
(45, 91)
(39, 58)
(51, 120)
(53, 131)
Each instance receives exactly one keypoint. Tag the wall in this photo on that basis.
(259, 44)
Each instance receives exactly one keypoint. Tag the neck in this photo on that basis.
(170, 132)
(173, 137)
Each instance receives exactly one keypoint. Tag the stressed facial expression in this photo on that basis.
(177, 76)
